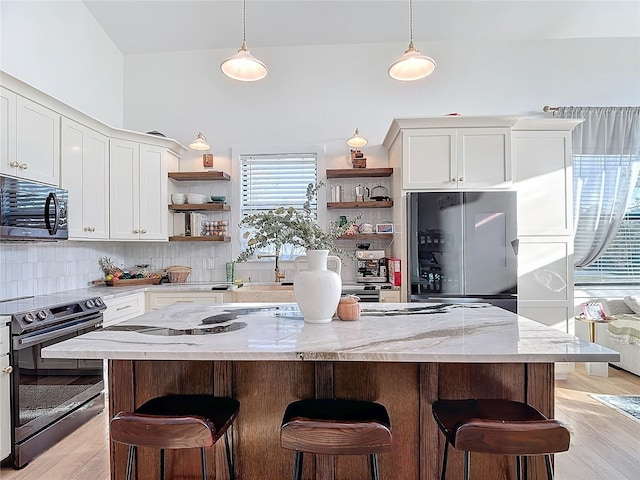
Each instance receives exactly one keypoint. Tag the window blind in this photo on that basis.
(620, 263)
(271, 181)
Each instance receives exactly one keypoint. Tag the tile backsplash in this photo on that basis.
(39, 268)
(36, 268)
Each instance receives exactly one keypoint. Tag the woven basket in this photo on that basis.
(178, 273)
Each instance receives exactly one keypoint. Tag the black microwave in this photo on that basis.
(32, 211)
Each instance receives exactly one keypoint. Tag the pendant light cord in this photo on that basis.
(244, 21)
(411, 20)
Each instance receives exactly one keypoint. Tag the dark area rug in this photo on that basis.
(628, 405)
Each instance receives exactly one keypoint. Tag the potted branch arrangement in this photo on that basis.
(316, 290)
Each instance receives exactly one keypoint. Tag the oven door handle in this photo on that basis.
(27, 341)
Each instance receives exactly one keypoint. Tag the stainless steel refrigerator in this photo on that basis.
(463, 247)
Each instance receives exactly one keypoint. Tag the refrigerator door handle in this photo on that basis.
(515, 244)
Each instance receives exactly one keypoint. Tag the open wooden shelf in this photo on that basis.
(199, 176)
(359, 172)
(199, 239)
(367, 236)
(189, 207)
(371, 204)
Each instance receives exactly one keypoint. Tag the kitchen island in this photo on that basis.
(404, 356)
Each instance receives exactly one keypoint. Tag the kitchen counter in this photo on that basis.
(385, 333)
(266, 356)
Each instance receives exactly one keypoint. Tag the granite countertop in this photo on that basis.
(386, 332)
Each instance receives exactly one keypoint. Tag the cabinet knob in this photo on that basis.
(461, 179)
(143, 231)
(14, 164)
(136, 231)
(23, 166)
(92, 229)
(454, 180)
(8, 369)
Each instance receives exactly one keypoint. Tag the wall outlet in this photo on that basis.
(210, 263)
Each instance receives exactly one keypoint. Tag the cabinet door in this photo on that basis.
(156, 300)
(85, 174)
(484, 158)
(544, 182)
(8, 164)
(38, 142)
(124, 181)
(428, 159)
(123, 308)
(154, 218)
(5, 409)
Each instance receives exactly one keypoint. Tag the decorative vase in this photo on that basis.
(317, 290)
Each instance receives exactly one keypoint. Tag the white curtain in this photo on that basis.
(606, 161)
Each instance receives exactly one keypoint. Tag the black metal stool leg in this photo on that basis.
(229, 458)
(518, 467)
(373, 461)
(547, 461)
(443, 475)
(162, 464)
(297, 466)
(466, 465)
(132, 452)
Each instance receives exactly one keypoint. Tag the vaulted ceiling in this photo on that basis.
(148, 26)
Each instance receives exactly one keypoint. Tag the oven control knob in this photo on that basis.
(90, 304)
(42, 315)
(29, 318)
(99, 302)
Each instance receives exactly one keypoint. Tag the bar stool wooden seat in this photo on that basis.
(501, 427)
(336, 427)
(176, 422)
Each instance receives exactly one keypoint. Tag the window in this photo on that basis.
(620, 263)
(269, 181)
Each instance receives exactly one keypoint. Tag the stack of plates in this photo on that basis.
(196, 198)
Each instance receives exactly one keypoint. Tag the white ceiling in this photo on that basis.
(148, 26)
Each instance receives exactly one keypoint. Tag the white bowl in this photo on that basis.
(178, 198)
(196, 198)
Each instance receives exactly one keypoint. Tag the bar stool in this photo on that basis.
(336, 427)
(500, 427)
(176, 422)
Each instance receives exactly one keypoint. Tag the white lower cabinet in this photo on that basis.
(5, 406)
(138, 181)
(156, 300)
(389, 296)
(85, 174)
(120, 309)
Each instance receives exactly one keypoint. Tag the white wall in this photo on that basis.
(59, 48)
(319, 95)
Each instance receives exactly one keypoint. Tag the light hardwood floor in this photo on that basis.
(605, 445)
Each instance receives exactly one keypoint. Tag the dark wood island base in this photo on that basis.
(264, 388)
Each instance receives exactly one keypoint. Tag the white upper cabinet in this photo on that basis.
(543, 178)
(85, 174)
(138, 179)
(30, 136)
(456, 158)
(8, 162)
(38, 142)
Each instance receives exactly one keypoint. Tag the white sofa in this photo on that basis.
(623, 333)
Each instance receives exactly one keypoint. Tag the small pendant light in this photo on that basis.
(243, 66)
(200, 142)
(356, 140)
(413, 65)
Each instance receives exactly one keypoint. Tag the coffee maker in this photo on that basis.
(371, 266)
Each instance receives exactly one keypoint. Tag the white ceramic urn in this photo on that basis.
(317, 290)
